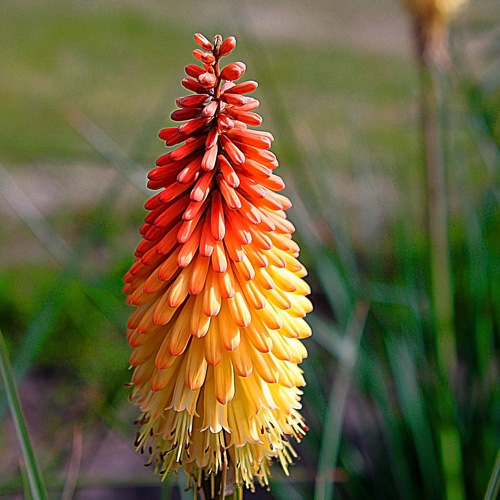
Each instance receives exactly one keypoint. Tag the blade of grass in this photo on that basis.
(373, 370)
(32, 217)
(407, 386)
(74, 464)
(316, 404)
(327, 335)
(284, 490)
(478, 286)
(333, 283)
(480, 130)
(36, 485)
(24, 481)
(108, 149)
(332, 430)
(493, 490)
(323, 203)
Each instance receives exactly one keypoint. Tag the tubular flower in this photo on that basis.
(218, 290)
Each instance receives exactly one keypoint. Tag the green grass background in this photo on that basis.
(84, 88)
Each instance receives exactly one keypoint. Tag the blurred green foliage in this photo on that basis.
(347, 135)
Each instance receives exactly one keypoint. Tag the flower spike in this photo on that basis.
(218, 290)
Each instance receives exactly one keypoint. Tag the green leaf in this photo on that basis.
(493, 489)
(332, 432)
(36, 485)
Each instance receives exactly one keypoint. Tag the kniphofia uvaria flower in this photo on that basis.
(218, 290)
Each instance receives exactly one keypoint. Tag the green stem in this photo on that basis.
(437, 223)
(35, 481)
(433, 112)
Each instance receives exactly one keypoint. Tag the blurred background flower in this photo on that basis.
(431, 20)
(84, 89)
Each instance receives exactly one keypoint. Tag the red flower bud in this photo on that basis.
(202, 41)
(185, 114)
(244, 87)
(205, 57)
(193, 85)
(227, 46)
(207, 80)
(193, 70)
(233, 71)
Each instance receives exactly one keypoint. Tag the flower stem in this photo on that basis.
(220, 487)
(437, 224)
(433, 113)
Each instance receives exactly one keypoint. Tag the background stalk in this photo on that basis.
(433, 115)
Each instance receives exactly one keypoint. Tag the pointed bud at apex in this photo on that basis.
(217, 44)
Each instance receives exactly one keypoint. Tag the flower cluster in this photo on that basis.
(218, 290)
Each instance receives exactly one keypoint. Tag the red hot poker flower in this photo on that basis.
(218, 290)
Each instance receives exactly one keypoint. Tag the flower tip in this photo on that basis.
(217, 43)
